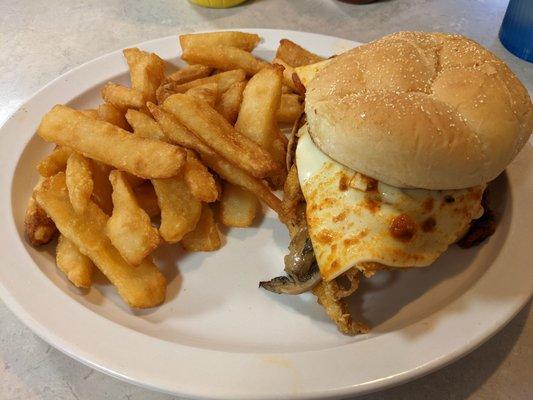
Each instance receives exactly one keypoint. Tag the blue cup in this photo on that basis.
(516, 32)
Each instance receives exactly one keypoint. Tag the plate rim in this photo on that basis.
(71, 349)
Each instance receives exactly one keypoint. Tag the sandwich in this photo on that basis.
(392, 159)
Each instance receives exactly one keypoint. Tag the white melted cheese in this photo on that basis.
(350, 227)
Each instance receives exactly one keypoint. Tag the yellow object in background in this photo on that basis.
(217, 3)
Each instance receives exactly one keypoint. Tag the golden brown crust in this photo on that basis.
(40, 229)
(293, 203)
(295, 55)
(347, 283)
(424, 110)
(337, 309)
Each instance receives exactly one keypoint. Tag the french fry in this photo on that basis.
(205, 236)
(278, 149)
(180, 210)
(258, 115)
(241, 40)
(260, 103)
(147, 199)
(207, 93)
(39, 228)
(214, 130)
(288, 72)
(164, 91)
(140, 287)
(239, 177)
(306, 73)
(293, 203)
(290, 108)
(79, 181)
(122, 96)
(91, 112)
(188, 73)
(175, 131)
(111, 145)
(238, 206)
(102, 188)
(295, 55)
(109, 113)
(147, 71)
(144, 126)
(54, 162)
(230, 102)
(224, 58)
(129, 227)
(224, 80)
(180, 135)
(77, 267)
(200, 181)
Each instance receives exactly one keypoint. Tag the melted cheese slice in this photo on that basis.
(349, 226)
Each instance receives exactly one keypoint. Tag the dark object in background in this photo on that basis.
(516, 32)
(358, 1)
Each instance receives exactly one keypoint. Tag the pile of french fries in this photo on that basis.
(164, 159)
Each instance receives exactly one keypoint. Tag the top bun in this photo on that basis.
(422, 110)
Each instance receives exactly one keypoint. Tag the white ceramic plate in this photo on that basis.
(218, 335)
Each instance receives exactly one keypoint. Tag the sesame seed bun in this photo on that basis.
(424, 110)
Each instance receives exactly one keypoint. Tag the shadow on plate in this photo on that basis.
(465, 377)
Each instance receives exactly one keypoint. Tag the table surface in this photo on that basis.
(41, 40)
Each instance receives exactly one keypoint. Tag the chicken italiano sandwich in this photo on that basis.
(399, 140)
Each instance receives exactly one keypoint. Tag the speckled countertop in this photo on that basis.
(41, 40)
